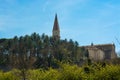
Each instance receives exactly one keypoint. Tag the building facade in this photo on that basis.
(101, 52)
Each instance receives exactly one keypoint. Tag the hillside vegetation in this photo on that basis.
(35, 57)
(67, 72)
(35, 51)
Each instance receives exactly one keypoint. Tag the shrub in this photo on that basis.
(68, 72)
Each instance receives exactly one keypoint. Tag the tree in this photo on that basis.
(35, 51)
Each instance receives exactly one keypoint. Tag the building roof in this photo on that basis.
(56, 24)
(99, 45)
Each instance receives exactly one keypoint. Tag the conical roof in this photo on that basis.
(56, 24)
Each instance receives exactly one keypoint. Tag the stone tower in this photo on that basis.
(56, 29)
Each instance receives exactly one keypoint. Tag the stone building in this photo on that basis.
(101, 52)
(96, 52)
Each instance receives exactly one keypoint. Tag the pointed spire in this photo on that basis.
(56, 24)
(56, 29)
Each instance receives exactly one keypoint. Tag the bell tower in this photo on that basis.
(56, 29)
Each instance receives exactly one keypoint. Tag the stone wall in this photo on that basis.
(101, 52)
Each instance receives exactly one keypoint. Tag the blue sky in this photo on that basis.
(85, 21)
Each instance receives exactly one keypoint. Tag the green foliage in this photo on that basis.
(38, 57)
(41, 74)
(110, 72)
(37, 51)
(8, 76)
(68, 72)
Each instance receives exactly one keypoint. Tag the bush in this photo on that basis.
(68, 72)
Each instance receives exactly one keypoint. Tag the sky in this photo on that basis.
(85, 21)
